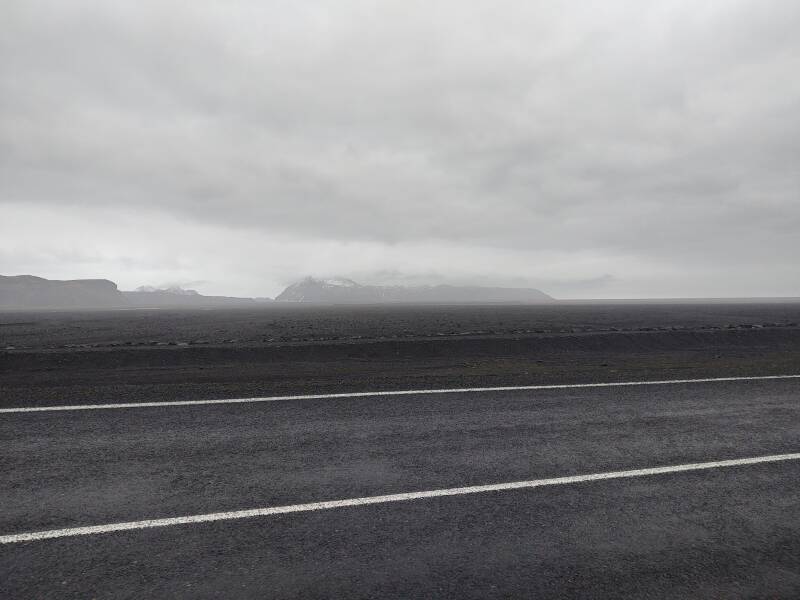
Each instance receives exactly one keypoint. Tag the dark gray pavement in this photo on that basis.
(722, 533)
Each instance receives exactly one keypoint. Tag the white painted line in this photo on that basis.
(312, 506)
(27, 409)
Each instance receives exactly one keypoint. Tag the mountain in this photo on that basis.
(176, 297)
(27, 291)
(347, 291)
(30, 292)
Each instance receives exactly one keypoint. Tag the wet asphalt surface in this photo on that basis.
(723, 533)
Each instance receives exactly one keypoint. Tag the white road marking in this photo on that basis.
(26, 409)
(312, 506)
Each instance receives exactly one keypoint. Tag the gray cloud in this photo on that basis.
(621, 148)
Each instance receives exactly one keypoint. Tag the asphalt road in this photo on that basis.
(732, 532)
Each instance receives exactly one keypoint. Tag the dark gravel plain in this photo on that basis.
(145, 355)
(292, 323)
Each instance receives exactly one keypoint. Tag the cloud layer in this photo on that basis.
(622, 148)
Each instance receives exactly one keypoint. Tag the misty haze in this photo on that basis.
(399, 299)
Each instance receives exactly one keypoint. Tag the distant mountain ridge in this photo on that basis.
(20, 292)
(347, 291)
(177, 297)
(29, 291)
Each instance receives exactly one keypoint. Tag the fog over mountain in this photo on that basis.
(611, 149)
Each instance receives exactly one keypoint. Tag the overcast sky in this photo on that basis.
(592, 149)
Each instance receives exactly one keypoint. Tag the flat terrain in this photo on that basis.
(130, 356)
(283, 323)
(721, 532)
(732, 532)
